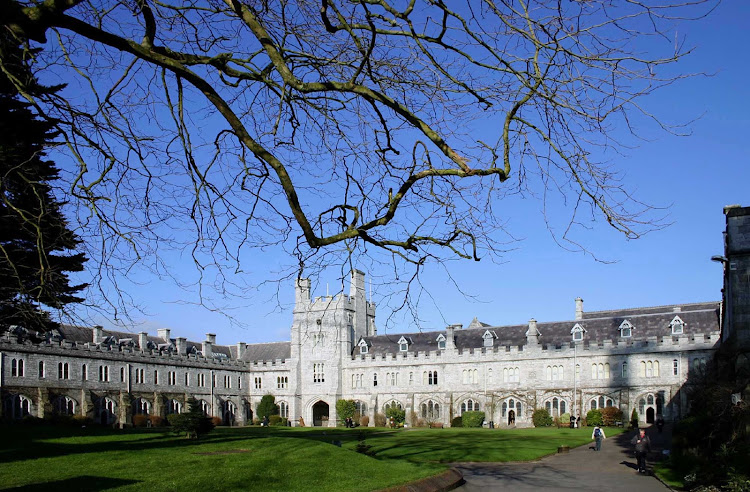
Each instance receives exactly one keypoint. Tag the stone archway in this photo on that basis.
(511, 417)
(320, 413)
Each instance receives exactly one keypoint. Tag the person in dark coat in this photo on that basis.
(642, 447)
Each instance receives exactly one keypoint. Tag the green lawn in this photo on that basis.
(253, 458)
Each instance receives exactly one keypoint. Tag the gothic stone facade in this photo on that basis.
(639, 359)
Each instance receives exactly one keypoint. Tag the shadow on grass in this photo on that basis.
(84, 483)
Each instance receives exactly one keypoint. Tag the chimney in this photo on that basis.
(208, 349)
(181, 345)
(579, 309)
(98, 335)
(163, 333)
(301, 293)
(450, 341)
(142, 340)
(241, 347)
(532, 334)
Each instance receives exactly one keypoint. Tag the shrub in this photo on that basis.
(216, 421)
(140, 420)
(420, 423)
(256, 421)
(267, 407)
(610, 415)
(472, 419)
(541, 418)
(594, 417)
(156, 421)
(345, 409)
(457, 422)
(634, 419)
(379, 420)
(193, 423)
(81, 420)
(564, 420)
(274, 420)
(364, 421)
(397, 414)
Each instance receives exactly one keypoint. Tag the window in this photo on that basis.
(140, 376)
(390, 404)
(556, 406)
(411, 378)
(64, 406)
(319, 373)
(41, 370)
(677, 326)
(258, 383)
(156, 377)
(171, 378)
(699, 365)
(555, 373)
(648, 369)
(283, 410)
(578, 371)
(84, 372)
(469, 406)
(17, 406)
(675, 367)
(239, 382)
(601, 402)
(282, 382)
(17, 368)
(363, 348)
(173, 406)
(375, 379)
(432, 377)
(577, 332)
(187, 378)
(470, 376)
(391, 378)
(360, 408)
(441, 342)
(318, 339)
(430, 410)
(600, 371)
(63, 371)
(489, 376)
(625, 369)
(104, 374)
(227, 381)
(403, 344)
(488, 339)
(201, 380)
(141, 406)
(122, 374)
(626, 329)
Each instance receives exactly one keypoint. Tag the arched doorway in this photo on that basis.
(650, 415)
(320, 413)
(228, 412)
(511, 417)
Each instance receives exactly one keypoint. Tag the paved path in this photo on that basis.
(611, 469)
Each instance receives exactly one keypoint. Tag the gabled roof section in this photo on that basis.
(475, 323)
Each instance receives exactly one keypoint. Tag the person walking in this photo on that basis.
(598, 435)
(642, 445)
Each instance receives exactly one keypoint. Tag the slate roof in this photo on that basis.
(699, 319)
(267, 351)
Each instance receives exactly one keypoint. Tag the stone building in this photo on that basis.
(641, 358)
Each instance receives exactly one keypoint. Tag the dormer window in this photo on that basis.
(403, 344)
(363, 348)
(441, 342)
(678, 326)
(577, 331)
(626, 329)
(488, 338)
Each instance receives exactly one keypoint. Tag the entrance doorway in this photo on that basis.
(650, 415)
(320, 414)
(511, 417)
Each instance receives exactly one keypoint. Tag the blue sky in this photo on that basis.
(697, 175)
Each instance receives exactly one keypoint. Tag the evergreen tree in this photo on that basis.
(267, 406)
(36, 245)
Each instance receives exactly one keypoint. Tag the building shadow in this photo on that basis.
(84, 483)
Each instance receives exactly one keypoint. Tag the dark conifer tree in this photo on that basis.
(36, 245)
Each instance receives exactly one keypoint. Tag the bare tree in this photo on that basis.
(337, 130)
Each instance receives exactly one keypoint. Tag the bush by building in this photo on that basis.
(457, 422)
(364, 421)
(541, 418)
(397, 414)
(472, 419)
(594, 417)
(611, 415)
(192, 423)
(267, 407)
(380, 420)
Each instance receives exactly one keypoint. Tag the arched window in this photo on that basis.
(606, 370)
(64, 406)
(141, 407)
(84, 372)
(392, 403)
(601, 402)
(641, 407)
(593, 371)
(17, 406)
(656, 368)
(624, 369)
(42, 374)
(205, 408)
(556, 406)
(469, 406)
(430, 410)
(174, 406)
(518, 409)
(549, 373)
(283, 410)
(642, 369)
(505, 409)
(554, 373)
(610, 403)
(360, 407)
(593, 405)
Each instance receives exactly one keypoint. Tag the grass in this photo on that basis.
(252, 458)
(670, 475)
